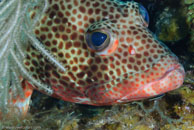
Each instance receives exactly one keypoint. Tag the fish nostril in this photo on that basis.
(131, 50)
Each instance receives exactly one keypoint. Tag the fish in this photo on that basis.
(109, 54)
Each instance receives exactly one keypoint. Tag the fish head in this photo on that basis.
(109, 54)
(138, 65)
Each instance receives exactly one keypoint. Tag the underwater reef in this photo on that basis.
(171, 21)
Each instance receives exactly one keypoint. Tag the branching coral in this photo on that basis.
(16, 34)
(8, 23)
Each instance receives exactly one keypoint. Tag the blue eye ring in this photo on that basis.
(98, 40)
(144, 13)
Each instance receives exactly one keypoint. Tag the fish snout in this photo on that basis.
(172, 76)
(167, 75)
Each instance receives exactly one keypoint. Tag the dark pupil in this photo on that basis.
(98, 38)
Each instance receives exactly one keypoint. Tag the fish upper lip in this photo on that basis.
(172, 68)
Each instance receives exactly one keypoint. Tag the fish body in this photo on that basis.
(108, 52)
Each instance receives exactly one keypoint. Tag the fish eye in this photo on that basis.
(144, 13)
(98, 40)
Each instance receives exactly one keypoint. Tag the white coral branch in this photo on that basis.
(13, 24)
(29, 77)
(45, 52)
(14, 15)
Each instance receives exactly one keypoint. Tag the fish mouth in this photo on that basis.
(171, 79)
(177, 67)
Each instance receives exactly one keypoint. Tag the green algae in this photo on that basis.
(172, 24)
(187, 94)
(190, 20)
(189, 1)
(175, 30)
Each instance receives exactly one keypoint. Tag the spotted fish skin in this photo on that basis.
(134, 66)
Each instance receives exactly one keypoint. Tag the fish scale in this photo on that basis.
(134, 65)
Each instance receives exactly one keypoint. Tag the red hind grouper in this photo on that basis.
(108, 52)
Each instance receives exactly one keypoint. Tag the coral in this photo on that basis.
(131, 116)
(171, 23)
(187, 94)
(173, 20)
(12, 44)
(52, 119)
(190, 10)
(16, 34)
(190, 20)
(173, 30)
(71, 126)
